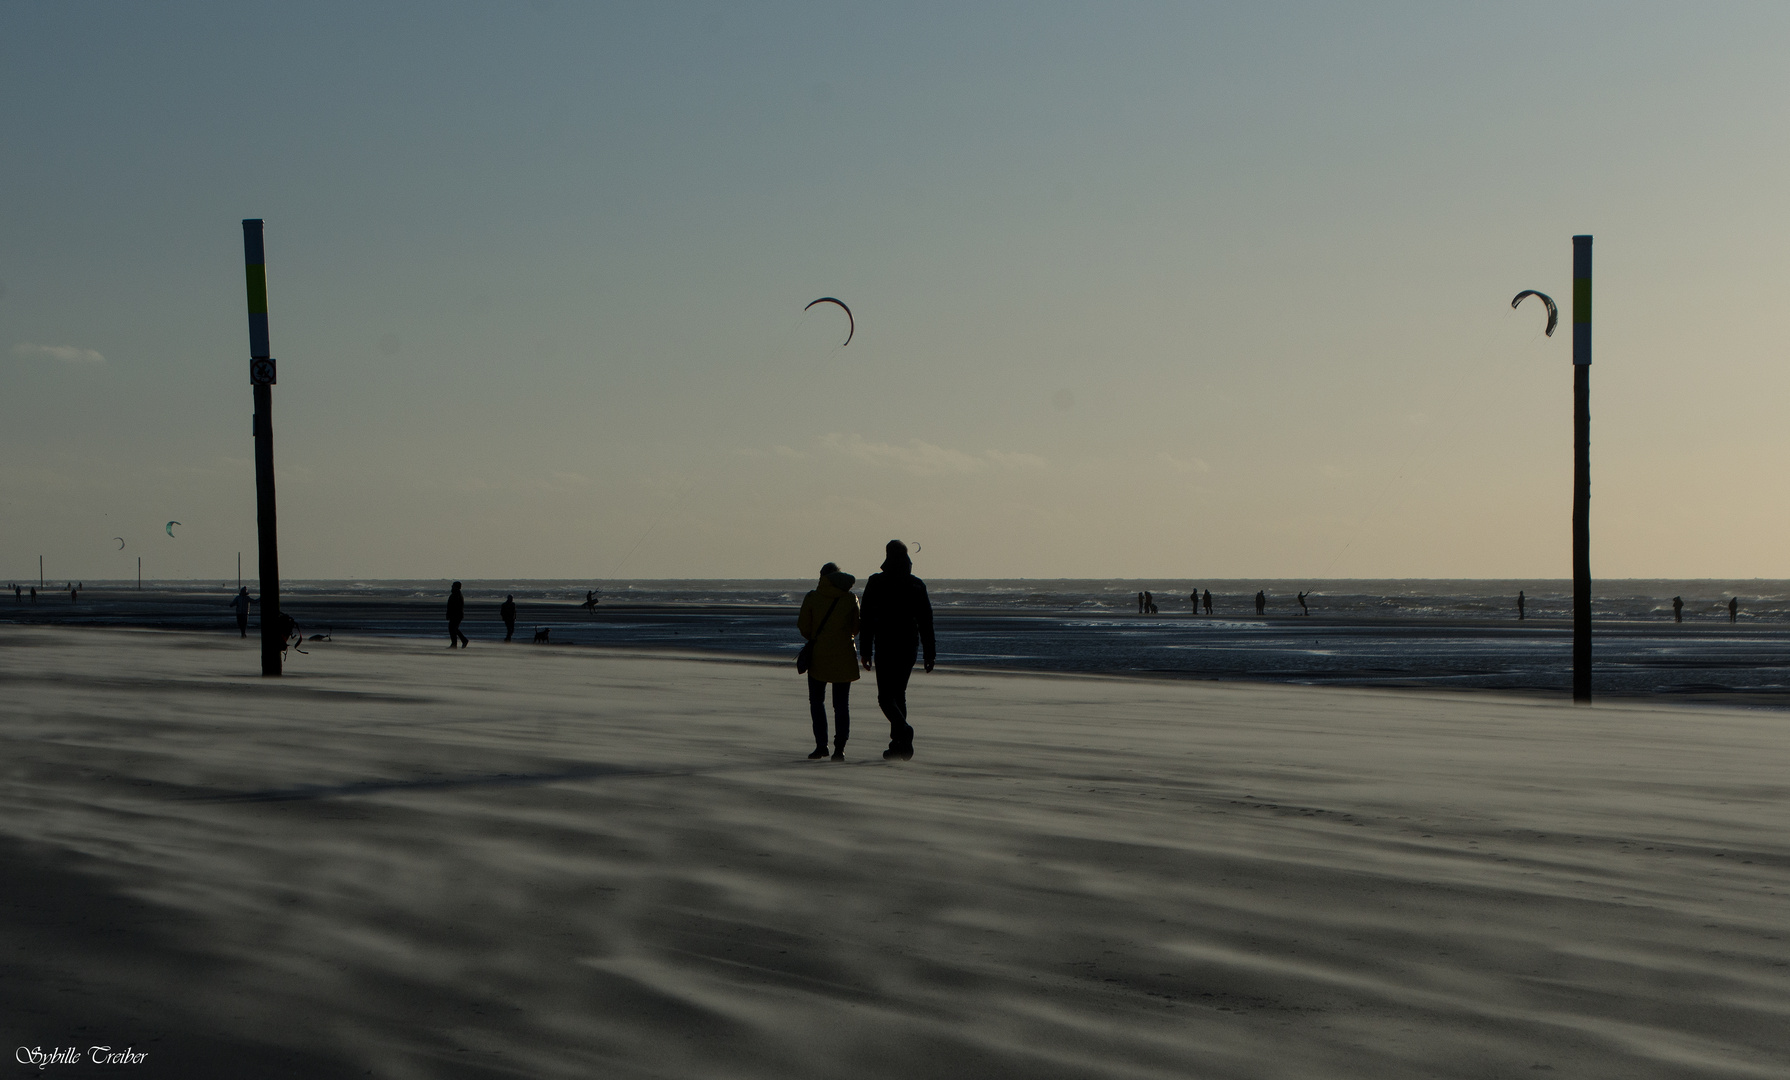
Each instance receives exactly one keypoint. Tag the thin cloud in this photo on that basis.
(1183, 465)
(917, 457)
(923, 458)
(67, 354)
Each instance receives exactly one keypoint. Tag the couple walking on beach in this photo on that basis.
(891, 631)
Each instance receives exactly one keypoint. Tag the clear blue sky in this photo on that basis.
(1141, 290)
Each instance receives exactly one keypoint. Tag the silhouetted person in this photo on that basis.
(1519, 605)
(1734, 609)
(1678, 609)
(241, 603)
(34, 594)
(456, 612)
(1149, 603)
(507, 612)
(897, 624)
(1261, 602)
(1195, 597)
(590, 601)
(1208, 601)
(73, 594)
(290, 634)
(1140, 601)
(829, 619)
(1303, 610)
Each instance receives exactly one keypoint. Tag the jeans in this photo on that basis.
(817, 711)
(892, 672)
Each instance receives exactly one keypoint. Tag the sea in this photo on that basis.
(1401, 633)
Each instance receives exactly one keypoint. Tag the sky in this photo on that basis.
(1196, 291)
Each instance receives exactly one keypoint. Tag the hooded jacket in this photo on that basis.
(897, 614)
(834, 658)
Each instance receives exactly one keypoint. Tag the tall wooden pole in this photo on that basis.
(1581, 469)
(262, 377)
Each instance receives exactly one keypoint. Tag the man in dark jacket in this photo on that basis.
(896, 625)
(456, 612)
(507, 611)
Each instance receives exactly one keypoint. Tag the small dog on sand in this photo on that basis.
(541, 635)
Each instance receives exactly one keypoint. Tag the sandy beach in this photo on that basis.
(554, 862)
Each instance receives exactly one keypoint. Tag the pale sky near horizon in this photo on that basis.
(1177, 290)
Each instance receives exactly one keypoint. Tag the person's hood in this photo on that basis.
(898, 563)
(837, 581)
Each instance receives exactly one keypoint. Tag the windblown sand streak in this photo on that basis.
(547, 862)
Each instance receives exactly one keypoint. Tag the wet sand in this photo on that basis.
(1699, 662)
(551, 862)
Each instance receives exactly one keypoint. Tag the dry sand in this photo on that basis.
(548, 862)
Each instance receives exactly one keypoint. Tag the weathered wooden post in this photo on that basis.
(262, 378)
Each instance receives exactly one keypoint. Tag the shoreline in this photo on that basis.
(1704, 662)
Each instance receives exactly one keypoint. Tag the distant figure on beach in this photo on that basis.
(456, 612)
(291, 636)
(897, 625)
(1208, 601)
(1261, 602)
(241, 603)
(1140, 602)
(1195, 597)
(1734, 609)
(507, 612)
(829, 619)
(590, 601)
(18, 595)
(1303, 610)
(1149, 603)
(1678, 609)
(34, 594)
(73, 594)
(1519, 605)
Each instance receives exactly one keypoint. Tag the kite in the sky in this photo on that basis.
(848, 315)
(171, 525)
(1553, 311)
(120, 540)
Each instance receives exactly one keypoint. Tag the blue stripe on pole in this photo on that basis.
(252, 251)
(258, 347)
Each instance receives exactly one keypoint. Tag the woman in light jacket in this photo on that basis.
(835, 655)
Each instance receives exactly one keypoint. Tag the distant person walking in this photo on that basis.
(507, 612)
(897, 626)
(590, 601)
(1140, 601)
(456, 612)
(1208, 601)
(1734, 609)
(34, 594)
(1149, 603)
(1303, 610)
(1678, 609)
(1261, 602)
(241, 602)
(1195, 597)
(829, 619)
(1519, 605)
